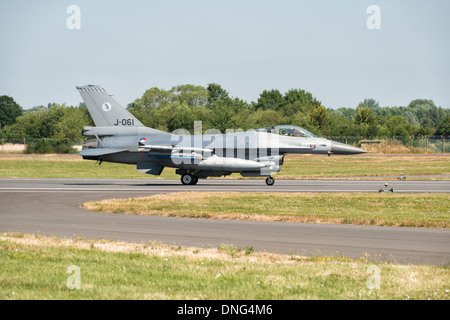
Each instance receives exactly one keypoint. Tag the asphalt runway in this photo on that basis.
(51, 207)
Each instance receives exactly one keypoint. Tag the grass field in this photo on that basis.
(363, 166)
(295, 167)
(382, 209)
(38, 267)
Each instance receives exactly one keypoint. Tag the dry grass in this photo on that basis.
(34, 267)
(384, 209)
(153, 248)
(393, 147)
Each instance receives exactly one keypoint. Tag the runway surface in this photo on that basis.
(51, 207)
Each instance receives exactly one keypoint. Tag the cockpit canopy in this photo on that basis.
(289, 130)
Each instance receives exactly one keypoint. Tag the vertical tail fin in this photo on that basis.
(104, 110)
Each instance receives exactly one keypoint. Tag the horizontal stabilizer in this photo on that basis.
(149, 168)
(99, 152)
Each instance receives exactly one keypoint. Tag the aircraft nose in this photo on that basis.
(342, 148)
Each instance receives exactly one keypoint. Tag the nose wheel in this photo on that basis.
(189, 179)
(270, 181)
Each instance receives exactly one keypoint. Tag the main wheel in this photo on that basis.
(270, 181)
(187, 179)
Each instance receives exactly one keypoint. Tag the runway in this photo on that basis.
(247, 185)
(51, 207)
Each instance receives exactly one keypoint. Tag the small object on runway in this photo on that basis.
(386, 189)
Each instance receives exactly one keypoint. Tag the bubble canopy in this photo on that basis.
(289, 130)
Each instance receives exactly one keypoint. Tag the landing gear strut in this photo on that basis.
(270, 181)
(189, 179)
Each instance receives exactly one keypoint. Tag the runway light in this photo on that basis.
(402, 177)
(386, 189)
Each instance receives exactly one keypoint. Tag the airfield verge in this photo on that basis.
(382, 209)
(383, 167)
(39, 267)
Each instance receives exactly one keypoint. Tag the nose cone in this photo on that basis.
(342, 148)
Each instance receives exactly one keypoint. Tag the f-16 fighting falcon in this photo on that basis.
(121, 138)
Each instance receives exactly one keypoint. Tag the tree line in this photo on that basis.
(181, 105)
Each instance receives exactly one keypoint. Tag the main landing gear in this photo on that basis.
(189, 179)
(270, 181)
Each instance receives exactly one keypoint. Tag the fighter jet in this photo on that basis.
(121, 138)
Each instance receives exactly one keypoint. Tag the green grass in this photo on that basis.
(73, 167)
(383, 209)
(35, 267)
(363, 166)
(54, 166)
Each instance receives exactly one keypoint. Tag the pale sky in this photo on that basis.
(324, 47)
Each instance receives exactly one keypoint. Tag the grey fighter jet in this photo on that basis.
(120, 137)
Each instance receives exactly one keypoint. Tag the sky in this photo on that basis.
(325, 47)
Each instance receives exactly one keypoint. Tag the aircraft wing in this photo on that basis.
(99, 151)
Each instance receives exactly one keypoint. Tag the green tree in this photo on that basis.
(264, 118)
(70, 124)
(297, 100)
(424, 131)
(153, 98)
(27, 125)
(184, 116)
(302, 96)
(9, 111)
(444, 127)
(341, 125)
(349, 113)
(222, 115)
(271, 99)
(319, 119)
(396, 126)
(425, 112)
(299, 119)
(369, 103)
(190, 94)
(216, 92)
(227, 114)
(365, 116)
(58, 121)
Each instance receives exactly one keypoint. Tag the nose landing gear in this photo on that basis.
(270, 181)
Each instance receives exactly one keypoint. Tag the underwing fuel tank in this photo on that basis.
(232, 164)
